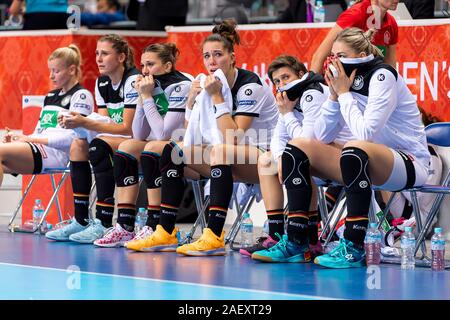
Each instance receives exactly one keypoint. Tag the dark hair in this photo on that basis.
(286, 61)
(121, 46)
(226, 33)
(114, 3)
(167, 52)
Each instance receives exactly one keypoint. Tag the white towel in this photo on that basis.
(202, 127)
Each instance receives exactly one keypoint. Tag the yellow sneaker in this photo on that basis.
(208, 245)
(160, 240)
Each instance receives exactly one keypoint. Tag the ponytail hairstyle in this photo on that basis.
(360, 41)
(166, 52)
(290, 62)
(120, 45)
(226, 33)
(71, 55)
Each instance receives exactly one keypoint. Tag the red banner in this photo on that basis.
(422, 53)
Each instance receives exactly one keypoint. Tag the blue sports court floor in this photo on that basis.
(31, 267)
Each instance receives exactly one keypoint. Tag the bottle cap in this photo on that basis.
(141, 209)
(408, 229)
(246, 215)
(437, 230)
(38, 201)
(373, 225)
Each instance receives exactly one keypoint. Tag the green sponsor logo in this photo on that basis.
(48, 119)
(116, 115)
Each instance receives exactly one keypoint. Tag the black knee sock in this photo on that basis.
(221, 192)
(126, 215)
(153, 215)
(355, 173)
(172, 190)
(105, 212)
(313, 228)
(276, 222)
(297, 179)
(80, 173)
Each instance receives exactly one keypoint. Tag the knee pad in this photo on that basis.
(100, 155)
(295, 168)
(125, 169)
(150, 169)
(172, 161)
(355, 169)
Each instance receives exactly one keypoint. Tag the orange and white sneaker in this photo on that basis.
(208, 245)
(160, 240)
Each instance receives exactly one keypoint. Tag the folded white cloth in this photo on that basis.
(89, 135)
(202, 127)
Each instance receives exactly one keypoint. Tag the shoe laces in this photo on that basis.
(110, 232)
(143, 233)
(281, 244)
(340, 250)
(63, 224)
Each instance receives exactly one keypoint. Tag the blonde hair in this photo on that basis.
(121, 46)
(359, 40)
(71, 55)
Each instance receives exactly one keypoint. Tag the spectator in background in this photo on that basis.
(420, 9)
(364, 14)
(297, 10)
(42, 14)
(107, 11)
(156, 14)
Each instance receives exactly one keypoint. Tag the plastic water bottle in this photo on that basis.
(437, 250)
(141, 220)
(38, 212)
(372, 245)
(265, 230)
(319, 12)
(246, 231)
(408, 245)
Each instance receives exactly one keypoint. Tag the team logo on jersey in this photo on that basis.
(248, 92)
(216, 173)
(66, 101)
(358, 83)
(128, 180)
(177, 89)
(387, 37)
(381, 77)
(309, 98)
(102, 84)
(82, 96)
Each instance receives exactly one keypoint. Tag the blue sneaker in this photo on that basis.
(63, 233)
(95, 230)
(345, 255)
(284, 251)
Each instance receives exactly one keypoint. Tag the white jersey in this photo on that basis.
(157, 118)
(77, 99)
(252, 97)
(117, 98)
(381, 109)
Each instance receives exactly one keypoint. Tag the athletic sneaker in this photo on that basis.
(115, 237)
(261, 244)
(284, 251)
(63, 233)
(160, 240)
(345, 255)
(316, 249)
(397, 229)
(208, 245)
(95, 230)
(145, 232)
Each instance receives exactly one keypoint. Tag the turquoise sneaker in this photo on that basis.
(63, 233)
(95, 230)
(284, 251)
(345, 255)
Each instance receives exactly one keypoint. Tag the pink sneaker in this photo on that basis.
(145, 232)
(316, 249)
(261, 244)
(116, 237)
